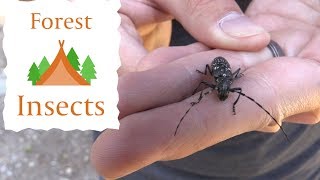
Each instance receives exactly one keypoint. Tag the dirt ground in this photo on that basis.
(54, 154)
(42, 155)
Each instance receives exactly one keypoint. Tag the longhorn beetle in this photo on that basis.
(223, 78)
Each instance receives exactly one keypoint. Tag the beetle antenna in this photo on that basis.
(274, 119)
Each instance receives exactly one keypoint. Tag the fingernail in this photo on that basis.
(239, 25)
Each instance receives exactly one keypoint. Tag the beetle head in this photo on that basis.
(223, 90)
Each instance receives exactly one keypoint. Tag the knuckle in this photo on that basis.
(270, 129)
(314, 121)
(316, 117)
(195, 7)
(269, 100)
(267, 124)
(211, 8)
(272, 126)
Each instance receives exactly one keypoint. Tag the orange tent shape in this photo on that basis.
(61, 72)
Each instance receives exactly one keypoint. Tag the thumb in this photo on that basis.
(217, 23)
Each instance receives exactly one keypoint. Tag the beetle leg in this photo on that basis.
(235, 102)
(199, 99)
(204, 83)
(212, 86)
(237, 74)
(201, 94)
(205, 71)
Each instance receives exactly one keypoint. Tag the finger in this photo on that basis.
(175, 81)
(147, 137)
(311, 117)
(296, 94)
(143, 12)
(292, 41)
(217, 23)
(280, 16)
(168, 54)
(131, 46)
(132, 50)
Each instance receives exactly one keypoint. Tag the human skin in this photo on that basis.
(154, 98)
(206, 20)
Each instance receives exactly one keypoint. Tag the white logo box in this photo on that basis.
(24, 45)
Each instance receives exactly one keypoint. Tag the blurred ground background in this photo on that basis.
(33, 155)
(52, 155)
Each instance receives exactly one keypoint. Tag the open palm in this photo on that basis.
(299, 35)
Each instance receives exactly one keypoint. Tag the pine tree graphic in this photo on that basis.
(33, 75)
(88, 72)
(44, 65)
(73, 59)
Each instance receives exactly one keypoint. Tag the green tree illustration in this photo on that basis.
(43, 66)
(88, 72)
(73, 59)
(34, 75)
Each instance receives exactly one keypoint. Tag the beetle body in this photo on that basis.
(223, 77)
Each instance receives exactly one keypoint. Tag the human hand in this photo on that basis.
(213, 23)
(294, 25)
(147, 136)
